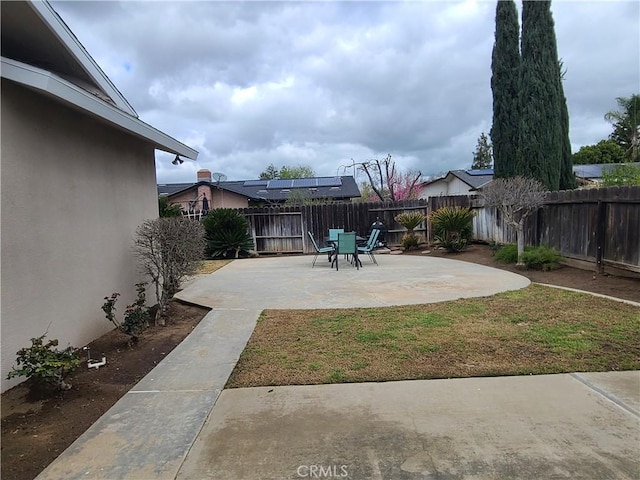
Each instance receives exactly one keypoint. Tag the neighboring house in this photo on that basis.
(591, 174)
(456, 182)
(205, 194)
(466, 182)
(78, 177)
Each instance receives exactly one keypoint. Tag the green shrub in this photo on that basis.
(495, 246)
(136, 315)
(46, 364)
(410, 241)
(227, 233)
(507, 253)
(452, 227)
(541, 258)
(410, 220)
(165, 209)
(538, 258)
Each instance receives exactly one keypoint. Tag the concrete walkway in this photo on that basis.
(516, 427)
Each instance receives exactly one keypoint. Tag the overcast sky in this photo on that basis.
(321, 83)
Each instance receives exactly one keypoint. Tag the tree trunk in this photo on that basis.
(520, 237)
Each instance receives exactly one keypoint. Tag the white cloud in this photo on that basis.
(321, 83)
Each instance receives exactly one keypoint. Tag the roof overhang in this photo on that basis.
(49, 84)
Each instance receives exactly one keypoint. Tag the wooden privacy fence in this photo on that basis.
(599, 226)
(283, 229)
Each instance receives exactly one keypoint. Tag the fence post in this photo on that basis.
(601, 223)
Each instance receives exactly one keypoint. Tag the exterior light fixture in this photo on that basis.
(177, 160)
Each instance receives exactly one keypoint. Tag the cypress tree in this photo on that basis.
(540, 132)
(505, 66)
(567, 178)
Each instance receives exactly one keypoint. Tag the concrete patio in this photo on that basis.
(176, 423)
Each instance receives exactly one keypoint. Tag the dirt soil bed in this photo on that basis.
(620, 287)
(37, 427)
(35, 430)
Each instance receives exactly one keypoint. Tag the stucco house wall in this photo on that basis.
(217, 198)
(73, 191)
(228, 199)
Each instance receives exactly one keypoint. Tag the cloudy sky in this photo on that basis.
(324, 83)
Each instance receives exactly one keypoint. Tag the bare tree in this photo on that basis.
(386, 181)
(516, 198)
(169, 249)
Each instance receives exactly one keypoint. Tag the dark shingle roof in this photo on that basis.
(277, 190)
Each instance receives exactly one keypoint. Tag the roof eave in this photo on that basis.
(73, 45)
(54, 86)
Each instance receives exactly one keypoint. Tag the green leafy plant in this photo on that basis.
(541, 258)
(136, 315)
(495, 246)
(410, 241)
(452, 227)
(535, 258)
(507, 253)
(45, 364)
(227, 233)
(166, 209)
(410, 221)
(623, 174)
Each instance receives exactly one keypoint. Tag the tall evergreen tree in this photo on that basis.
(505, 66)
(483, 156)
(540, 145)
(567, 178)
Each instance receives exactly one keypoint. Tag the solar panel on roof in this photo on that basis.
(483, 171)
(279, 184)
(329, 182)
(305, 182)
(255, 183)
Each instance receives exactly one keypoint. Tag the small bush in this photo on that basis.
(46, 364)
(495, 246)
(227, 233)
(136, 315)
(541, 258)
(452, 227)
(410, 220)
(166, 209)
(410, 241)
(507, 253)
(169, 249)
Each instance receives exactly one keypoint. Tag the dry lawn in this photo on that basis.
(536, 330)
(210, 266)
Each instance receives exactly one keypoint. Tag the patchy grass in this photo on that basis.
(210, 266)
(535, 330)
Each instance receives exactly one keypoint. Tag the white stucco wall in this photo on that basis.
(73, 191)
(441, 187)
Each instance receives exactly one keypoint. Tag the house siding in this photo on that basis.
(73, 192)
(217, 198)
(444, 188)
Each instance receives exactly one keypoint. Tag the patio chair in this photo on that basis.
(328, 250)
(371, 245)
(346, 246)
